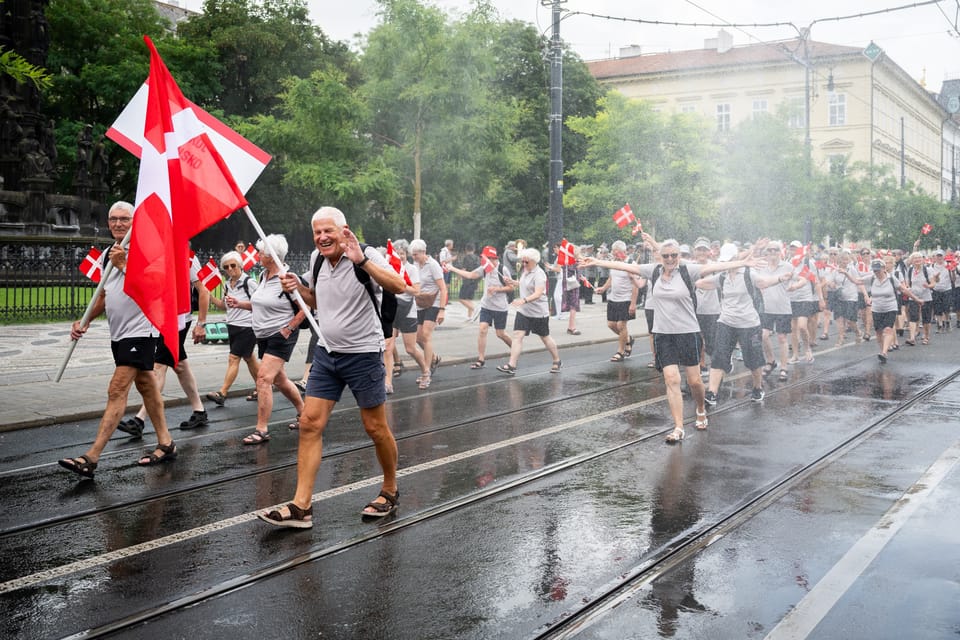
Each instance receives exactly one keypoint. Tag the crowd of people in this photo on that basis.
(766, 303)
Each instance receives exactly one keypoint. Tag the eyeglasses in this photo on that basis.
(669, 255)
(231, 266)
(113, 220)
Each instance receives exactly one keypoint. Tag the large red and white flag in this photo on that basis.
(91, 266)
(397, 263)
(184, 187)
(250, 257)
(209, 275)
(245, 160)
(567, 254)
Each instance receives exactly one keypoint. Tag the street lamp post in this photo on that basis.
(555, 220)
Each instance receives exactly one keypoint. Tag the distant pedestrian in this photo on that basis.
(620, 290)
(446, 256)
(238, 287)
(276, 322)
(493, 305)
(533, 312)
(431, 304)
(777, 313)
(405, 323)
(133, 340)
(468, 261)
(883, 289)
(349, 355)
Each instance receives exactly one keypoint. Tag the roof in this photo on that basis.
(767, 52)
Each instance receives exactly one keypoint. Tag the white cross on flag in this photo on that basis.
(250, 257)
(91, 266)
(209, 275)
(624, 216)
(567, 254)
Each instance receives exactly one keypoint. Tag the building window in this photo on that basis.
(759, 108)
(838, 165)
(796, 112)
(688, 108)
(723, 117)
(838, 109)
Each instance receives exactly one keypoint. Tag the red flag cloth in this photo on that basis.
(209, 275)
(486, 263)
(184, 187)
(397, 263)
(624, 216)
(91, 266)
(926, 229)
(250, 257)
(566, 254)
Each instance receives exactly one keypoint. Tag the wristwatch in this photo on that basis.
(365, 260)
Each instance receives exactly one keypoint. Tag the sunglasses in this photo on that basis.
(231, 266)
(669, 255)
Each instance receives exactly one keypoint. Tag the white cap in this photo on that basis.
(728, 252)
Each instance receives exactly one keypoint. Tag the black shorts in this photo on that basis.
(312, 347)
(138, 353)
(804, 309)
(681, 349)
(163, 355)
(536, 326)
(751, 347)
(619, 311)
(242, 341)
(468, 289)
(277, 345)
(915, 312)
(884, 320)
(427, 315)
(496, 319)
(941, 301)
(708, 329)
(776, 322)
(649, 314)
(848, 309)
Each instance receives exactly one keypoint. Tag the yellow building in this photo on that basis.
(862, 106)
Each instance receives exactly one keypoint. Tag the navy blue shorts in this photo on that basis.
(496, 319)
(362, 372)
(135, 352)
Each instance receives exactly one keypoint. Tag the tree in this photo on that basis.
(16, 66)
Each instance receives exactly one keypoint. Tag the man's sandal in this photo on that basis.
(701, 422)
(556, 366)
(293, 426)
(617, 357)
(296, 517)
(217, 398)
(478, 364)
(169, 452)
(257, 437)
(382, 509)
(79, 465)
(629, 348)
(768, 368)
(675, 436)
(253, 397)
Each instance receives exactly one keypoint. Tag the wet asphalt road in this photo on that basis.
(536, 506)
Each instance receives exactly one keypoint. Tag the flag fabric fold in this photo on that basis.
(184, 187)
(566, 255)
(397, 263)
(486, 263)
(624, 216)
(91, 265)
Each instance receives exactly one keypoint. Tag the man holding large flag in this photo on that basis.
(133, 341)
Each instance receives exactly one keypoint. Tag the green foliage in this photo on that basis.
(14, 65)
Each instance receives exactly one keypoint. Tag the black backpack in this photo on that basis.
(755, 294)
(386, 310)
(657, 270)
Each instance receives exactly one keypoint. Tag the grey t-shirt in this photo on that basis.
(736, 306)
(842, 283)
(776, 298)
(430, 272)
(943, 284)
(807, 271)
(236, 316)
(918, 283)
(672, 305)
(493, 301)
(621, 286)
(529, 281)
(124, 317)
(882, 295)
(271, 309)
(345, 313)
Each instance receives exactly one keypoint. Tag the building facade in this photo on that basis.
(849, 104)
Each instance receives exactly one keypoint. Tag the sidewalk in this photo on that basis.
(31, 355)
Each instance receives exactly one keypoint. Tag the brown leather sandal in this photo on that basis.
(382, 509)
(169, 455)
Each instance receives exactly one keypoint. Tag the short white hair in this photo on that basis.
(329, 213)
(121, 204)
(418, 245)
(530, 254)
(231, 255)
(619, 245)
(278, 243)
(669, 242)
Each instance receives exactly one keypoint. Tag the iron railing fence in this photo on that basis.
(43, 282)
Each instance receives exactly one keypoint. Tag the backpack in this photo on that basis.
(510, 294)
(657, 270)
(910, 276)
(386, 310)
(755, 294)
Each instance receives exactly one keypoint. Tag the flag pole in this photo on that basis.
(86, 319)
(283, 270)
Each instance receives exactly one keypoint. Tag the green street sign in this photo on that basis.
(872, 51)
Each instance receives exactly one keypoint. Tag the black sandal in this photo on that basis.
(85, 468)
(253, 397)
(169, 455)
(397, 369)
(382, 509)
(617, 357)
(478, 364)
(297, 518)
(556, 367)
(769, 367)
(628, 350)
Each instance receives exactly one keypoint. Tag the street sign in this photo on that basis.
(872, 51)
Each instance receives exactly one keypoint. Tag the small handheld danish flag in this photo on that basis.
(250, 257)
(91, 266)
(209, 275)
(567, 254)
